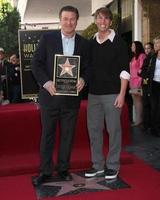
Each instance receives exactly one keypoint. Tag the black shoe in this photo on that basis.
(155, 133)
(146, 130)
(111, 174)
(42, 178)
(93, 173)
(65, 175)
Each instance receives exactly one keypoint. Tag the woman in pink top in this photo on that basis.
(135, 80)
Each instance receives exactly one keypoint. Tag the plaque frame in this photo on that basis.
(66, 74)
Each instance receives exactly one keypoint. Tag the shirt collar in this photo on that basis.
(64, 37)
(109, 37)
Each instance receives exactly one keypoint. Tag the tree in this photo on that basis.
(9, 25)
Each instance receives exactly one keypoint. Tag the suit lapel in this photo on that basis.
(59, 43)
(77, 45)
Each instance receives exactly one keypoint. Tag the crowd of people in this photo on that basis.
(10, 86)
(145, 84)
(106, 69)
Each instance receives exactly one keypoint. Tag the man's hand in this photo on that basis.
(49, 86)
(119, 102)
(80, 84)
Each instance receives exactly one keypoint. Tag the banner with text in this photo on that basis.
(28, 41)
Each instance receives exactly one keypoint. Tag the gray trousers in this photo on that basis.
(100, 108)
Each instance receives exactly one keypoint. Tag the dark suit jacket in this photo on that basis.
(6, 83)
(148, 69)
(0, 84)
(43, 66)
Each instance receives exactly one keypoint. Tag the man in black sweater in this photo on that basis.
(107, 87)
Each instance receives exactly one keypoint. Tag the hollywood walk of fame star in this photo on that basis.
(78, 183)
(66, 68)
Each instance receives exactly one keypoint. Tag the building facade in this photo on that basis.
(150, 19)
(139, 19)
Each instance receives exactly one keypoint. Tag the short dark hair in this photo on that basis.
(150, 44)
(70, 9)
(105, 11)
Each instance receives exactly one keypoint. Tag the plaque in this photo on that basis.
(66, 74)
(28, 42)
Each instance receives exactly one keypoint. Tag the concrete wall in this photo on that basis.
(99, 3)
(150, 19)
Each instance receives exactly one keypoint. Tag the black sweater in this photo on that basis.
(107, 61)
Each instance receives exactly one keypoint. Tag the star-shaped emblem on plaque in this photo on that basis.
(79, 184)
(66, 68)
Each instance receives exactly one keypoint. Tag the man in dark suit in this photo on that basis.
(5, 72)
(151, 76)
(58, 107)
(1, 91)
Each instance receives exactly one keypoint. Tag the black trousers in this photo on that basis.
(146, 100)
(49, 117)
(155, 108)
